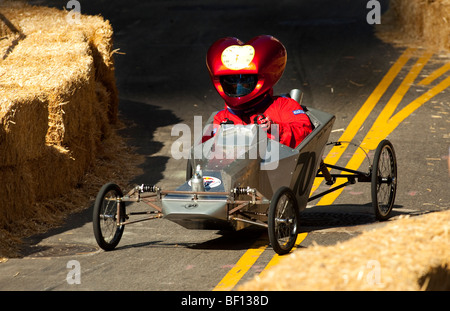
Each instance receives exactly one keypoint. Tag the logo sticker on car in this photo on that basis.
(210, 182)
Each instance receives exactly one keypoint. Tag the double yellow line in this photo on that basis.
(247, 260)
(385, 123)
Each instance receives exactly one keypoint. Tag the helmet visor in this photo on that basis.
(238, 85)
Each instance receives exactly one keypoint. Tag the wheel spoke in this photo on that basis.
(283, 220)
(384, 181)
(108, 225)
(107, 231)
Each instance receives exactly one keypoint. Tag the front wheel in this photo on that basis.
(384, 180)
(107, 232)
(283, 220)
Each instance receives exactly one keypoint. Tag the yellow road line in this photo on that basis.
(362, 114)
(358, 156)
(410, 108)
(436, 74)
(386, 123)
(277, 258)
(382, 124)
(247, 260)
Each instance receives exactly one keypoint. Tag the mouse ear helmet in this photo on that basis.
(243, 72)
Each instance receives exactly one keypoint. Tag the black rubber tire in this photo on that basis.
(283, 220)
(384, 180)
(106, 232)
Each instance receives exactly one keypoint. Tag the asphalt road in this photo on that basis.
(333, 56)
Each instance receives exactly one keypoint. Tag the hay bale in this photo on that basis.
(406, 254)
(23, 127)
(58, 106)
(422, 23)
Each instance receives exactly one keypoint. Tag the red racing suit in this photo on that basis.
(293, 124)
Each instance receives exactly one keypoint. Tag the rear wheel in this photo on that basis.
(106, 230)
(384, 180)
(283, 221)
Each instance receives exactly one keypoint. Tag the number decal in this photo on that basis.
(307, 160)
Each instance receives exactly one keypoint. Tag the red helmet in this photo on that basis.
(243, 73)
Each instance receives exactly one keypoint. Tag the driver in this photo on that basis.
(244, 76)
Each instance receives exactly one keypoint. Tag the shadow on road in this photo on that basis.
(141, 121)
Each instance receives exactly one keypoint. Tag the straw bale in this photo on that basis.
(422, 23)
(411, 253)
(22, 128)
(58, 107)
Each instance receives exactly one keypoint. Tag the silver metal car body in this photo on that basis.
(242, 157)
